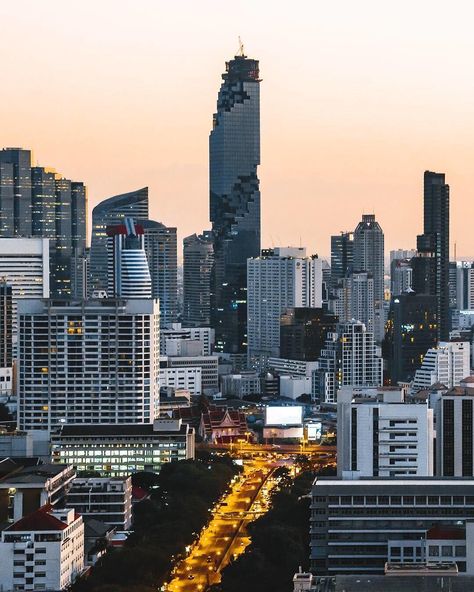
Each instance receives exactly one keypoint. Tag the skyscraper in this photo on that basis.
(281, 277)
(198, 257)
(107, 213)
(342, 256)
(434, 244)
(128, 273)
(16, 207)
(46, 205)
(369, 256)
(162, 254)
(234, 155)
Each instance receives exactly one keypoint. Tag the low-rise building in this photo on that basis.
(357, 523)
(26, 488)
(188, 378)
(120, 450)
(223, 425)
(107, 498)
(241, 385)
(175, 335)
(207, 364)
(42, 551)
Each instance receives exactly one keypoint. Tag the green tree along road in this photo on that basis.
(163, 526)
(280, 543)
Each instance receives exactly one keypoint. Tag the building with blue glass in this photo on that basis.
(234, 155)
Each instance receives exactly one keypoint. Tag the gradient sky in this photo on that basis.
(357, 100)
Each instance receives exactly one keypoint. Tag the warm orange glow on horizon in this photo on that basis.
(358, 99)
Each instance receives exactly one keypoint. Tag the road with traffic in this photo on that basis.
(226, 536)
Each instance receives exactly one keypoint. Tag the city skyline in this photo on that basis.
(337, 118)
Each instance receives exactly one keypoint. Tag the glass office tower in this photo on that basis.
(234, 155)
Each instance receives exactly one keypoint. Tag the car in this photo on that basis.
(208, 559)
(190, 577)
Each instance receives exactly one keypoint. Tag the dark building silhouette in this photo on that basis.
(303, 332)
(37, 201)
(198, 257)
(342, 256)
(431, 266)
(234, 155)
(412, 329)
(6, 325)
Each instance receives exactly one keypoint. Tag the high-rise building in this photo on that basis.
(87, 361)
(45, 205)
(16, 204)
(447, 364)
(303, 332)
(464, 285)
(412, 330)
(369, 256)
(342, 256)
(454, 414)
(434, 244)
(24, 264)
(362, 303)
(128, 273)
(400, 276)
(110, 212)
(281, 277)
(6, 325)
(198, 257)
(372, 437)
(162, 254)
(234, 155)
(349, 358)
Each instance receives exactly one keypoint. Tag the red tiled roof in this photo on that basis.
(39, 520)
(446, 533)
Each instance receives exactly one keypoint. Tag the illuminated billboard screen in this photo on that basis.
(314, 431)
(275, 416)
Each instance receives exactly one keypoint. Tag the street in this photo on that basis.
(226, 535)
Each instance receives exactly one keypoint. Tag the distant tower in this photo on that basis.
(234, 155)
(110, 212)
(162, 254)
(369, 256)
(198, 257)
(433, 245)
(342, 256)
(128, 272)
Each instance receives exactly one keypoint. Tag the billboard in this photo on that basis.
(276, 416)
(313, 431)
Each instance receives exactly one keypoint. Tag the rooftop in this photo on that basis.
(117, 430)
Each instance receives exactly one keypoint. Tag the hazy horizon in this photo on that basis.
(357, 101)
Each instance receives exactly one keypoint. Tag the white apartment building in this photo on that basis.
(281, 277)
(108, 499)
(382, 436)
(42, 551)
(24, 263)
(447, 364)
(171, 338)
(87, 361)
(464, 285)
(207, 364)
(189, 379)
(349, 358)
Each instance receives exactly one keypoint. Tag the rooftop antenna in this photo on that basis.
(455, 252)
(241, 48)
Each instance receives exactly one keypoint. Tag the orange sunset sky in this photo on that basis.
(357, 100)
